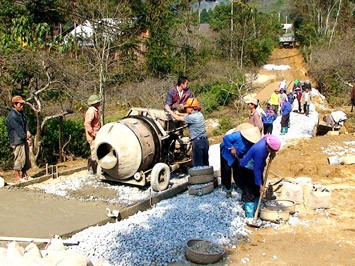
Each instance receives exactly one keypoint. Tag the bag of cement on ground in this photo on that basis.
(292, 191)
(319, 198)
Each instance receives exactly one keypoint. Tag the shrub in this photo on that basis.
(73, 129)
(225, 124)
(6, 158)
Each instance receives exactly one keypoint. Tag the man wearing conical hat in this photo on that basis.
(234, 146)
(92, 125)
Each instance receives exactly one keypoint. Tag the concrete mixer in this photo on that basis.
(145, 146)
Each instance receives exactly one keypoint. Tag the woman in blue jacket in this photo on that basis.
(234, 146)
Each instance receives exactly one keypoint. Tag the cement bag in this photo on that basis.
(307, 185)
(319, 198)
(292, 191)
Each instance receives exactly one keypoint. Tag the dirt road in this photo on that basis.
(324, 237)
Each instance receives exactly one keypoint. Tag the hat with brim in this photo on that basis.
(94, 99)
(253, 134)
(253, 101)
(17, 99)
(243, 126)
(239, 128)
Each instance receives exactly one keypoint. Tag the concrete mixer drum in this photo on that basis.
(145, 146)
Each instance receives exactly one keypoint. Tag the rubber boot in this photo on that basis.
(282, 130)
(94, 167)
(89, 166)
(286, 130)
(249, 209)
(229, 193)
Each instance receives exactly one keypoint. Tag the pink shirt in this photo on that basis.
(254, 119)
(92, 123)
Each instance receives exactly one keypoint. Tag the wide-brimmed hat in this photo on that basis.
(253, 101)
(243, 126)
(94, 99)
(17, 99)
(239, 128)
(251, 134)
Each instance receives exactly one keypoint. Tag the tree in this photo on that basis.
(112, 45)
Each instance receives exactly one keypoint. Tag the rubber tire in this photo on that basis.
(203, 171)
(200, 179)
(160, 170)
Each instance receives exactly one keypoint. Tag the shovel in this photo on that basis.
(254, 224)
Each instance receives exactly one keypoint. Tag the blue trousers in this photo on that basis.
(200, 148)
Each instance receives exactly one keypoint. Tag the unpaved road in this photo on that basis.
(327, 237)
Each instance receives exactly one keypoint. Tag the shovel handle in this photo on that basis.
(260, 198)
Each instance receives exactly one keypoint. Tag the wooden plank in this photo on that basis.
(35, 240)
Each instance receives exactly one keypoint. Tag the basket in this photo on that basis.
(201, 189)
(274, 216)
(203, 251)
(281, 205)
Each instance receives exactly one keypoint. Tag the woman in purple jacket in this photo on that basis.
(252, 168)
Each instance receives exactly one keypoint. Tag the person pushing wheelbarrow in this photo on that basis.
(252, 169)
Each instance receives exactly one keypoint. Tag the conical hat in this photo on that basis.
(239, 128)
(251, 134)
(243, 126)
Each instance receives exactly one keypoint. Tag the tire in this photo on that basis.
(208, 170)
(200, 179)
(201, 190)
(160, 177)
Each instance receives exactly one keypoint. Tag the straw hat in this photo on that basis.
(253, 101)
(243, 126)
(251, 134)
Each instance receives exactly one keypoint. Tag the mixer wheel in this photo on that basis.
(160, 177)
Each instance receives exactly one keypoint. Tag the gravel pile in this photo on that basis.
(158, 236)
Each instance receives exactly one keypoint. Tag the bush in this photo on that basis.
(225, 123)
(73, 129)
(6, 158)
(213, 96)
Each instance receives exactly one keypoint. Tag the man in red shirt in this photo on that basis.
(178, 95)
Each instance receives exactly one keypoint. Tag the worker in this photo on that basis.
(254, 117)
(233, 147)
(251, 171)
(268, 119)
(197, 130)
(285, 118)
(283, 85)
(306, 100)
(20, 138)
(275, 100)
(178, 95)
(92, 125)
